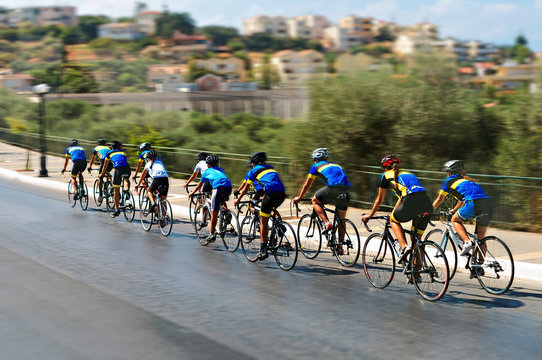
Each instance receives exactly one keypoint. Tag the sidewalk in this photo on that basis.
(526, 247)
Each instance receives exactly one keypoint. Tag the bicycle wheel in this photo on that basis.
(309, 235)
(202, 224)
(192, 206)
(429, 271)
(110, 200)
(230, 231)
(285, 251)
(129, 206)
(145, 214)
(250, 237)
(83, 196)
(347, 237)
(71, 195)
(378, 260)
(166, 223)
(493, 265)
(96, 192)
(448, 245)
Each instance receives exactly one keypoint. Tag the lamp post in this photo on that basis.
(41, 90)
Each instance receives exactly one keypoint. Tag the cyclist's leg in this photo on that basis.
(483, 210)
(320, 198)
(342, 198)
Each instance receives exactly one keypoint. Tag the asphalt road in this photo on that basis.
(80, 285)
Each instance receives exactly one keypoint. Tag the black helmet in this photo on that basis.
(144, 146)
(453, 166)
(116, 144)
(202, 156)
(388, 160)
(151, 155)
(75, 143)
(101, 141)
(258, 158)
(212, 160)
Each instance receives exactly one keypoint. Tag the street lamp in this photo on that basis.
(41, 90)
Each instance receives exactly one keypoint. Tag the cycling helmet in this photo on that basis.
(101, 141)
(144, 146)
(202, 156)
(151, 155)
(258, 158)
(116, 144)
(453, 166)
(320, 153)
(212, 160)
(75, 143)
(388, 160)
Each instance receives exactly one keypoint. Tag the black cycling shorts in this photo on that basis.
(109, 167)
(335, 195)
(483, 207)
(219, 195)
(119, 171)
(411, 206)
(78, 167)
(207, 188)
(270, 202)
(161, 184)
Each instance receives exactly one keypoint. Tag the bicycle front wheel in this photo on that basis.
(230, 231)
(378, 260)
(309, 236)
(192, 206)
(71, 195)
(250, 237)
(145, 214)
(448, 245)
(429, 271)
(493, 265)
(286, 250)
(166, 223)
(202, 224)
(83, 196)
(347, 244)
(129, 206)
(96, 193)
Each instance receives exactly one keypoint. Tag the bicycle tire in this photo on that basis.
(309, 236)
(96, 192)
(230, 230)
(83, 196)
(129, 206)
(71, 195)
(202, 224)
(450, 248)
(378, 259)
(250, 237)
(432, 279)
(350, 243)
(166, 223)
(145, 214)
(286, 249)
(192, 206)
(498, 265)
(110, 200)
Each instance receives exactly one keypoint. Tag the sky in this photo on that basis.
(494, 21)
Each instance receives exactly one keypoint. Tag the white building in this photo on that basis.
(308, 26)
(121, 31)
(147, 21)
(272, 25)
(45, 15)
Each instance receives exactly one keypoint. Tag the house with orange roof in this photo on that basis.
(16, 82)
(298, 67)
(147, 21)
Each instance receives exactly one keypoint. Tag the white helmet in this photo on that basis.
(320, 153)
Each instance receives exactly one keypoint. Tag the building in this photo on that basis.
(17, 82)
(165, 75)
(147, 21)
(509, 77)
(273, 25)
(308, 26)
(360, 26)
(121, 31)
(297, 67)
(209, 82)
(337, 38)
(349, 63)
(44, 16)
(230, 69)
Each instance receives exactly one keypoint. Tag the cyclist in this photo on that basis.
(79, 160)
(221, 186)
(144, 149)
(267, 183)
(472, 201)
(120, 163)
(201, 166)
(160, 181)
(99, 153)
(335, 192)
(412, 201)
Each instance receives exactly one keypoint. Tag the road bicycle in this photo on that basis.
(96, 191)
(281, 242)
(195, 201)
(161, 213)
(425, 265)
(79, 193)
(343, 239)
(126, 200)
(491, 261)
(228, 228)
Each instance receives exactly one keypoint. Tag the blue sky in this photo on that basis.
(496, 21)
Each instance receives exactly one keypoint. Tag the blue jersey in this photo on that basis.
(266, 175)
(332, 174)
(216, 177)
(101, 151)
(76, 153)
(407, 183)
(462, 189)
(117, 157)
(143, 155)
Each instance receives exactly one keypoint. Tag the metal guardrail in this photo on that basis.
(517, 201)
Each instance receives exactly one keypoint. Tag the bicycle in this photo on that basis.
(80, 193)
(227, 225)
(281, 242)
(195, 201)
(162, 213)
(425, 265)
(343, 239)
(491, 260)
(126, 200)
(96, 190)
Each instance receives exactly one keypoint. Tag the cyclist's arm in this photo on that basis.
(378, 201)
(137, 169)
(142, 178)
(198, 187)
(191, 178)
(243, 189)
(440, 198)
(92, 160)
(66, 162)
(457, 206)
(104, 168)
(306, 186)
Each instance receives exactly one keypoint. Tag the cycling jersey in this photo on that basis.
(101, 151)
(76, 153)
(216, 177)
(331, 173)
(462, 189)
(156, 169)
(117, 157)
(406, 184)
(266, 175)
(201, 166)
(143, 155)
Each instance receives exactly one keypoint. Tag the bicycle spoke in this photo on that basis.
(286, 250)
(309, 236)
(250, 237)
(493, 265)
(346, 238)
(230, 231)
(378, 261)
(429, 270)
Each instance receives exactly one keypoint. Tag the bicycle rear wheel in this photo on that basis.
(96, 193)
(83, 196)
(493, 265)
(129, 206)
(192, 206)
(449, 247)
(230, 231)
(286, 249)
(202, 224)
(145, 214)
(378, 260)
(166, 223)
(429, 270)
(110, 200)
(346, 236)
(250, 237)
(71, 195)
(309, 235)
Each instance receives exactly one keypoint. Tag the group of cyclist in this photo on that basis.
(413, 203)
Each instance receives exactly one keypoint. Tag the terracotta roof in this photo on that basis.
(484, 65)
(466, 70)
(17, 76)
(150, 13)
(282, 52)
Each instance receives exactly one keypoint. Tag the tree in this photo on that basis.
(385, 35)
(88, 24)
(71, 35)
(236, 44)
(521, 40)
(269, 76)
(219, 35)
(167, 23)
(139, 7)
